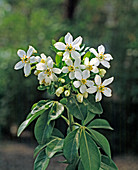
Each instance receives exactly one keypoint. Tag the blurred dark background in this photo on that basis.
(32, 22)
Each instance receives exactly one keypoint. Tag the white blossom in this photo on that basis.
(100, 88)
(89, 65)
(26, 60)
(101, 57)
(82, 82)
(70, 47)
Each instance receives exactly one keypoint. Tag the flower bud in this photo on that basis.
(102, 72)
(79, 97)
(85, 95)
(60, 54)
(61, 80)
(67, 93)
(59, 91)
(36, 72)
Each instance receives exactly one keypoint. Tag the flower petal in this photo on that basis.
(92, 90)
(54, 77)
(86, 61)
(108, 57)
(108, 81)
(76, 84)
(95, 69)
(60, 46)
(41, 66)
(101, 49)
(77, 41)
(107, 92)
(30, 51)
(69, 62)
(19, 65)
(43, 56)
(21, 53)
(86, 74)
(92, 50)
(94, 61)
(56, 70)
(65, 70)
(89, 83)
(75, 55)
(105, 64)
(50, 63)
(32, 59)
(77, 62)
(68, 38)
(97, 80)
(78, 75)
(27, 69)
(98, 96)
(83, 88)
(66, 56)
(72, 75)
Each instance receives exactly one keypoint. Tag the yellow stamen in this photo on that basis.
(69, 48)
(42, 61)
(101, 88)
(89, 67)
(83, 81)
(71, 68)
(48, 72)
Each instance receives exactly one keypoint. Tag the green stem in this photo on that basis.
(71, 121)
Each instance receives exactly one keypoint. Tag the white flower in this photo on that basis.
(70, 47)
(83, 82)
(101, 57)
(26, 59)
(48, 72)
(89, 65)
(71, 67)
(101, 88)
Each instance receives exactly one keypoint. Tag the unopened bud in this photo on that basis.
(85, 95)
(36, 72)
(102, 72)
(59, 91)
(67, 93)
(61, 80)
(60, 54)
(79, 97)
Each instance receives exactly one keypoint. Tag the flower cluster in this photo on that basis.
(77, 69)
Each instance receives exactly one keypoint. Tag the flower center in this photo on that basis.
(69, 48)
(101, 56)
(89, 67)
(101, 88)
(42, 61)
(83, 81)
(25, 59)
(48, 72)
(71, 68)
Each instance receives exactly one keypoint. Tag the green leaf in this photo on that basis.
(101, 141)
(71, 145)
(54, 146)
(38, 149)
(94, 107)
(89, 117)
(73, 165)
(100, 123)
(55, 111)
(42, 130)
(88, 55)
(58, 59)
(53, 42)
(89, 152)
(41, 161)
(80, 166)
(107, 164)
(61, 39)
(41, 87)
(63, 101)
(78, 110)
(57, 133)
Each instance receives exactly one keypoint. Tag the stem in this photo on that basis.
(71, 121)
